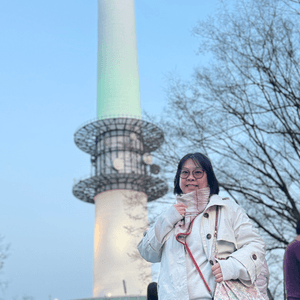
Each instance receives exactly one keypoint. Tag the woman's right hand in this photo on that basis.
(181, 208)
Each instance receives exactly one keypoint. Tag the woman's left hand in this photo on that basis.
(217, 272)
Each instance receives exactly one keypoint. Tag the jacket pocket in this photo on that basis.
(226, 245)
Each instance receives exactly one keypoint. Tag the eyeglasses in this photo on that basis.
(197, 173)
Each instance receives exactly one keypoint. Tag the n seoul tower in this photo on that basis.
(119, 142)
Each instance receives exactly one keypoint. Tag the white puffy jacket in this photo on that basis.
(236, 238)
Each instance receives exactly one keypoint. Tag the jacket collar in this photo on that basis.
(215, 200)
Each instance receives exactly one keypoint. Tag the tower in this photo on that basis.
(119, 142)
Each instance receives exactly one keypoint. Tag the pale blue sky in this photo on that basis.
(48, 63)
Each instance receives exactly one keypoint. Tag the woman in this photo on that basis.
(241, 251)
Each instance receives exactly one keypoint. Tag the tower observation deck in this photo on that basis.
(120, 156)
(120, 143)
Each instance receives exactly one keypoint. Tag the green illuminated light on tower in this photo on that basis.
(118, 93)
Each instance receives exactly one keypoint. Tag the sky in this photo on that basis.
(48, 73)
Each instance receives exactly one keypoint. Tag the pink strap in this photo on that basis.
(197, 267)
(188, 249)
(190, 253)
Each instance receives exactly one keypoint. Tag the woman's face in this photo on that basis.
(191, 183)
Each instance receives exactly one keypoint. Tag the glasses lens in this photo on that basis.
(198, 173)
(184, 174)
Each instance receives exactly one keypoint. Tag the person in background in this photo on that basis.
(152, 291)
(291, 267)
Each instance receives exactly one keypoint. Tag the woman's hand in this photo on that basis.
(217, 272)
(181, 208)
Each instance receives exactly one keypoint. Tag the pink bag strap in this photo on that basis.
(179, 235)
(214, 246)
(216, 226)
(197, 267)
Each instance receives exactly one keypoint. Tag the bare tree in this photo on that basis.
(4, 249)
(3, 255)
(243, 111)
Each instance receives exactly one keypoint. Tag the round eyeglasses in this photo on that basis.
(197, 173)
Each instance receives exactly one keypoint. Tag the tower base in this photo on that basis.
(120, 220)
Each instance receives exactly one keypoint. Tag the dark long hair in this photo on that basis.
(199, 160)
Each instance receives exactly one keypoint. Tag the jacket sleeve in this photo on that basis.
(250, 251)
(232, 269)
(150, 247)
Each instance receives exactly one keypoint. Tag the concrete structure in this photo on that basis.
(119, 143)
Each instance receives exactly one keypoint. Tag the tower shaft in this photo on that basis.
(118, 93)
(118, 96)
